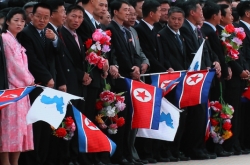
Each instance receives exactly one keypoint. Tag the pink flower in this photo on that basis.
(73, 127)
(237, 41)
(93, 58)
(113, 126)
(97, 35)
(107, 96)
(101, 63)
(234, 53)
(105, 48)
(103, 126)
(120, 106)
(237, 30)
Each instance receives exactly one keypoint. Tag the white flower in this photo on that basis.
(112, 131)
(223, 34)
(120, 106)
(110, 111)
(98, 45)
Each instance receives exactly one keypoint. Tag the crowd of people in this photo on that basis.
(45, 43)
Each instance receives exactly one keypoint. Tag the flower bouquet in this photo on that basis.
(97, 47)
(231, 38)
(109, 105)
(67, 129)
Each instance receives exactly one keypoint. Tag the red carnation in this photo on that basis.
(92, 58)
(120, 121)
(241, 35)
(108, 32)
(214, 122)
(61, 132)
(227, 126)
(107, 96)
(88, 43)
(229, 28)
(69, 121)
(99, 105)
(101, 63)
(120, 98)
(224, 116)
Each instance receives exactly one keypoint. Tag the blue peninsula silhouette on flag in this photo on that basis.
(167, 119)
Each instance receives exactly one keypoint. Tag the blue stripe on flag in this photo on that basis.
(157, 108)
(206, 86)
(155, 80)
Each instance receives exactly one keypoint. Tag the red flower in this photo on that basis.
(214, 122)
(101, 63)
(108, 32)
(120, 98)
(229, 28)
(88, 43)
(120, 122)
(241, 35)
(61, 132)
(107, 96)
(227, 126)
(216, 106)
(234, 54)
(224, 116)
(92, 58)
(69, 121)
(99, 105)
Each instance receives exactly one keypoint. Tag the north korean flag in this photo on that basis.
(167, 81)
(145, 104)
(246, 94)
(13, 95)
(194, 88)
(90, 137)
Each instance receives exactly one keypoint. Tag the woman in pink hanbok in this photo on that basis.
(15, 135)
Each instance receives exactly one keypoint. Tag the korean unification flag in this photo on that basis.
(50, 106)
(169, 123)
(196, 63)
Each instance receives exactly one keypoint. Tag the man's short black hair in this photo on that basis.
(54, 4)
(134, 2)
(74, 7)
(42, 5)
(116, 5)
(148, 6)
(223, 8)
(164, 2)
(242, 7)
(187, 6)
(28, 5)
(209, 9)
(227, 1)
(175, 9)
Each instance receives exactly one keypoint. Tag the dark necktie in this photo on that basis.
(125, 34)
(97, 26)
(196, 33)
(43, 38)
(179, 42)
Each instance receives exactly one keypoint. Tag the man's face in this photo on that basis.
(28, 12)
(197, 14)
(132, 16)
(1, 23)
(138, 9)
(217, 18)
(101, 6)
(164, 12)
(123, 13)
(40, 18)
(74, 19)
(175, 21)
(157, 15)
(228, 18)
(59, 16)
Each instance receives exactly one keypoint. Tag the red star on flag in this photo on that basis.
(194, 79)
(141, 94)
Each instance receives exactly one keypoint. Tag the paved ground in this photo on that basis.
(232, 160)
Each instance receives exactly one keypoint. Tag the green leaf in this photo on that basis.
(119, 94)
(107, 87)
(227, 110)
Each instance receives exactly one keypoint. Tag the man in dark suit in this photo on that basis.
(148, 149)
(124, 57)
(3, 71)
(137, 4)
(165, 5)
(174, 46)
(41, 46)
(193, 143)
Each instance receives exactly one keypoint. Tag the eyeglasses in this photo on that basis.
(45, 18)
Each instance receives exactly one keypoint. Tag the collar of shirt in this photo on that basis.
(137, 21)
(55, 28)
(120, 26)
(72, 32)
(39, 31)
(150, 26)
(92, 19)
(211, 25)
(222, 26)
(192, 25)
(247, 24)
(178, 32)
(98, 23)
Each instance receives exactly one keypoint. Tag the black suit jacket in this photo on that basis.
(42, 61)
(151, 47)
(3, 70)
(176, 57)
(85, 31)
(122, 52)
(158, 26)
(215, 44)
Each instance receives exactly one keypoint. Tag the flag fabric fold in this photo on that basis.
(194, 88)
(196, 63)
(167, 81)
(169, 123)
(50, 106)
(145, 104)
(9, 96)
(90, 137)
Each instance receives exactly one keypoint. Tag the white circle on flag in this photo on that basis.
(142, 95)
(90, 125)
(164, 84)
(194, 79)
